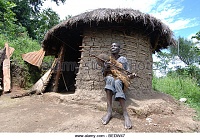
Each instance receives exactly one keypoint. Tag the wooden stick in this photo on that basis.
(60, 60)
(89, 46)
(64, 81)
(125, 72)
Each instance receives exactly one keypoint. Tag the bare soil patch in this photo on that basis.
(54, 112)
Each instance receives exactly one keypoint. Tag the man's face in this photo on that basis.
(114, 48)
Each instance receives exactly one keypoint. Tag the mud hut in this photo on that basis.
(71, 41)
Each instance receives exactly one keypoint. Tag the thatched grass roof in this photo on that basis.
(160, 34)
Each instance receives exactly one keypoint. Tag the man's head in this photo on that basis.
(115, 48)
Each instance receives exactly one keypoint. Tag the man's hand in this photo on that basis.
(107, 65)
(131, 76)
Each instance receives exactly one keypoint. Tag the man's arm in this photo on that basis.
(126, 66)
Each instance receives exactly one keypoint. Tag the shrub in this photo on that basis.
(25, 74)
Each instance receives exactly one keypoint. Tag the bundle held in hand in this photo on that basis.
(115, 68)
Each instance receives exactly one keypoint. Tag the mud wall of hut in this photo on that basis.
(134, 45)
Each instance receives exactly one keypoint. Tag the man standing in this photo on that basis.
(114, 86)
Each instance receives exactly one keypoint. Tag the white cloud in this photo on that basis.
(182, 24)
(74, 7)
(168, 17)
(167, 11)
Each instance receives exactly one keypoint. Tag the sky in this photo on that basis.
(182, 16)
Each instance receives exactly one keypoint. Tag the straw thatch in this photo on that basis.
(160, 34)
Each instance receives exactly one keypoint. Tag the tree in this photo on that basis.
(38, 3)
(19, 16)
(7, 16)
(163, 63)
(28, 14)
(47, 19)
(7, 20)
(186, 51)
(23, 15)
(197, 36)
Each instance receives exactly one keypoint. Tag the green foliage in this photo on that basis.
(22, 45)
(24, 13)
(8, 19)
(16, 18)
(163, 63)
(19, 17)
(29, 74)
(2, 41)
(179, 87)
(190, 71)
(186, 51)
(29, 15)
(47, 19)
(7, 15)
(36, 4)
(197, 36)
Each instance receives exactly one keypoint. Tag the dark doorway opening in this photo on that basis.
(70, 64)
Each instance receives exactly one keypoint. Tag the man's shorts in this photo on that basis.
(116, 86)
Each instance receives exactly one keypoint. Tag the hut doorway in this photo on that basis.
(69, 67)
(70, 64)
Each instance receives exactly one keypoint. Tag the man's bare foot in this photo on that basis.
(106, 118)
(127, 122)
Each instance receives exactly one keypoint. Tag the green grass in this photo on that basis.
(180, 87)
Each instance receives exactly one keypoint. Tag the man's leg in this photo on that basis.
(120, 96)
(127, 120)
(109, 88)
(106, 118)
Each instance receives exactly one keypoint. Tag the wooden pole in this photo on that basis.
(6, 70)
(58, 70)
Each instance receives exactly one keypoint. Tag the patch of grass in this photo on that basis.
(180, 87)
